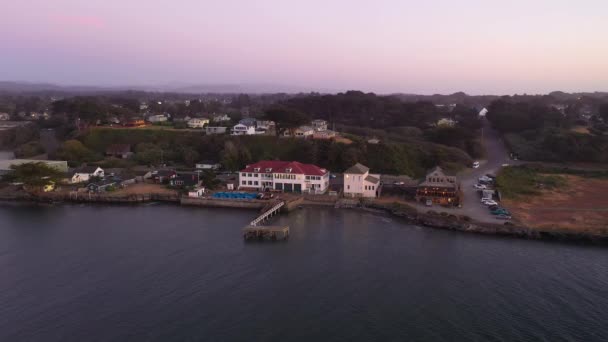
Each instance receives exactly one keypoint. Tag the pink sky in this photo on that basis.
(435, 46)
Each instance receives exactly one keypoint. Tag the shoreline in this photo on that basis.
(435, 220)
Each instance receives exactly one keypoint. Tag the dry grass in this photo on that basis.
(581, 206)
(143, 188)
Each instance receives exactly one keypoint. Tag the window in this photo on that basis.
(348, 187)
(255, 183)
(243, 174)
(255, 175)
(244, 182)
(249, 183)
(288, 170)
(257, 169)
(249, 175)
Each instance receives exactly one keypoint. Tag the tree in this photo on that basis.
(286, 118)
(35, 175)
(76, 153)
(604, 112)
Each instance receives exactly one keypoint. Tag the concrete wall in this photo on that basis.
(223, 203)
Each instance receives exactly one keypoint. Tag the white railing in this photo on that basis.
(266, 214)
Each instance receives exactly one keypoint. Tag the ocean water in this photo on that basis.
(170, 273)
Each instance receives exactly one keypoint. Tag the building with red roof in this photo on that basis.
(288, 176)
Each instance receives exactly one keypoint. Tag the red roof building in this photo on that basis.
(288, 176)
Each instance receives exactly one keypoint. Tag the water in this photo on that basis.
(168, 273)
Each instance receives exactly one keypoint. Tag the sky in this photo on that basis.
(383, 46)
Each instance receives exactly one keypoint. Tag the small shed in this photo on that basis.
(197, 192)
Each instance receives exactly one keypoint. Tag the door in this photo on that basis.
(297, 187)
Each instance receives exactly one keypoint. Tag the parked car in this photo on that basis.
(489, 175)
(503, 217)
(480, 186)
(429, 203)
(485, 179)
(500, 212)
(505, 165)
(490, 202)
(476, 165)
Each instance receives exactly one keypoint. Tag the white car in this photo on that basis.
(480, 186)
(475, 164)
(489, 203)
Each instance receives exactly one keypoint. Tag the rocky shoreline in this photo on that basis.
(430, 219)
(464, 224)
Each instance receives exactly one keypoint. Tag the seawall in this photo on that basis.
(223, 203)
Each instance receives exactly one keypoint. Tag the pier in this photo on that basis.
(256, 231)
(273, 233)
(267, 214)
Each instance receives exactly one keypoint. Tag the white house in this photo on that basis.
(85, 173)
(241, 129)
(319, 125)
(208, 165)
(221, 118)
(483, 112)
(215, 130)
(358, 182)
(157, 118)
(284, 176)
(265, 124)
(198, 122)
(197, 192)
(446, 122)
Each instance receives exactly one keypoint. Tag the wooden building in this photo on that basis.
(439, 188)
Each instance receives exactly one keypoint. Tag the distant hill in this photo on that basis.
(30, 88)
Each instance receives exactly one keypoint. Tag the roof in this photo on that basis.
(281, 167)
(358, 169)
(86, 169)
(118, 149)
(164, 173)
(372, 179)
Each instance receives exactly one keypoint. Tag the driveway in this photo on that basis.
(496, 156)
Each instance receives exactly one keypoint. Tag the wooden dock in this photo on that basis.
(273, 233)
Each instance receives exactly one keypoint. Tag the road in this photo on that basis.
(496, 156)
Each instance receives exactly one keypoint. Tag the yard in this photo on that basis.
(578, 204)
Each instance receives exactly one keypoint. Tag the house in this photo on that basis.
(249, 122)
(198, 122)
(102, 185)
(358, 182)
(221, 118)
(324, 135)
(319, 125)
(215, 130)
(157, 118)
(265, 124)
(197, 192)
(163, 176)
(439, 188)
(185, 180)
(5, 116)
(241, 129)
(122, 151)
(208, 165)
(483, 112)
(287, 176)
(446, 122)
(300, 132)
(83, 174)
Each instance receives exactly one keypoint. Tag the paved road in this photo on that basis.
(496, 156)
